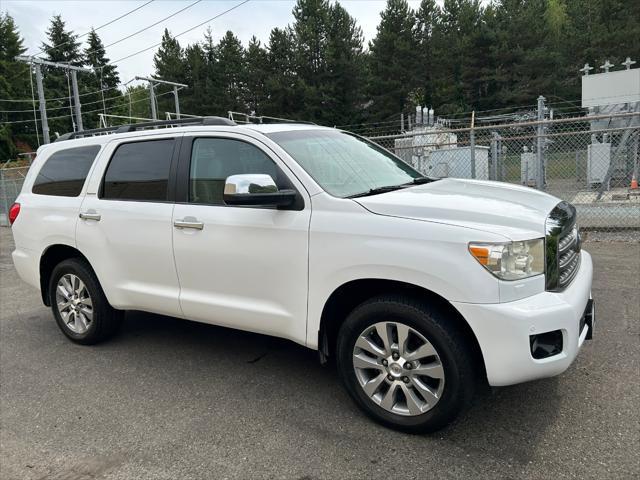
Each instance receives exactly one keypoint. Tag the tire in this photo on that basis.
(88, 318)
(419, 403)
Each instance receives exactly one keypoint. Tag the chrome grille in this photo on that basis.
(568, 257)
(562, 247)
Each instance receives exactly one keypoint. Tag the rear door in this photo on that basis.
(243, 267)
(125, 224)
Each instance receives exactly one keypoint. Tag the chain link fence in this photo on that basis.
(11, 180)
(591, 161)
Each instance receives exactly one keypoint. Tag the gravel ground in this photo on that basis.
(169, 399)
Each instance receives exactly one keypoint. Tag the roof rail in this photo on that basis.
(248, 118)
(147, 125)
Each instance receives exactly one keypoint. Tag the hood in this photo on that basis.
(513, 211)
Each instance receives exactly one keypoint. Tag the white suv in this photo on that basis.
(417, 287)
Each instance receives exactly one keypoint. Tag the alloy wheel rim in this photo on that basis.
(74, 303)
(398, 368)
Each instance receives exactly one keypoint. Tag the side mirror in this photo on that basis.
(255, 189)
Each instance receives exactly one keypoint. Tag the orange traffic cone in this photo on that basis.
(634, 182)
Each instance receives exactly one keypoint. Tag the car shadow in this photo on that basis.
(507, 424)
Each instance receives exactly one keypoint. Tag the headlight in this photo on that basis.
(513, 260)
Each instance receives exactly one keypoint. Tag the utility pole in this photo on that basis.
(42, 104)
(152, 94)
(152, 97)
(175, 97)
(37, 63)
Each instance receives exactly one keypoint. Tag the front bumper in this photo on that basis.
(503, 329)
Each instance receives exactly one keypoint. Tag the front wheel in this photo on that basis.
(404, 364)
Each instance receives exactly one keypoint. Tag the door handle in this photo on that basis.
(188, 224)
(90, 216)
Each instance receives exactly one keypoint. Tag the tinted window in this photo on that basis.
(215, 159)
(64, 173)
(139, 171)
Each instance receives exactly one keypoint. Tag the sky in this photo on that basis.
(257, 17)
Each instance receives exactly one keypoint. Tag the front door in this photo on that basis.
(242, 267)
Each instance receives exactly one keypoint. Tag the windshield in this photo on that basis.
(344, 165)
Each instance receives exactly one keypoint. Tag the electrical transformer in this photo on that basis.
(456, 162)
(598, 162)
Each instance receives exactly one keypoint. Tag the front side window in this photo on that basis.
(65, 172)
(215, 159)
(344, 165)
(139, 171)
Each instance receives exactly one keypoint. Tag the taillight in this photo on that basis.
(13, 212)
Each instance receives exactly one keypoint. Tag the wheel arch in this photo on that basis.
(351, 294)
(52, 256)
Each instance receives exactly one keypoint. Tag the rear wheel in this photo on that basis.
(79, 305)
(404, 364)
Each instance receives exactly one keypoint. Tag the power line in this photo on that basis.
(181, 33)
(153, 24)
(93, 111)
(94, 29)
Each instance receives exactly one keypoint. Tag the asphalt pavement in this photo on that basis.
(170, 399)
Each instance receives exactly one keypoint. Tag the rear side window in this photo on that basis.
(139, 171)
(64, 172)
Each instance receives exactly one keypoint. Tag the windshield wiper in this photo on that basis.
(391, 188)
(421, 180)
(377, 190)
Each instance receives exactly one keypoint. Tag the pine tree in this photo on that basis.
(193, 99)
(104, 81)
(62, 47)
(169, 63)
(256, 76)
(213, 91)
(12, 85)
(230, 69)
(311, 33)
(426, 21)
(282, 84)
(343, 86)
(392, 61)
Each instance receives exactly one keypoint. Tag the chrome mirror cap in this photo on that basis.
(252, 183)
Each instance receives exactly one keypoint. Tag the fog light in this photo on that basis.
(546, 344)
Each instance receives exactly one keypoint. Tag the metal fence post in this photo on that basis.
(494, 156)
(4, 217)
(540, 145)
(472, 145)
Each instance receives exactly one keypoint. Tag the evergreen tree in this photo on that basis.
(392, 61)
(343, 87)
(104, 81)
(193, 100)
(426, 21)
(213, 83)
(14, 83)
(256, 76)
(170, 65)
(311, 27)
(230, 63)
(284, 97)
(62, 47)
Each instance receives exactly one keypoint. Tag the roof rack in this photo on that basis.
(147, 125)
